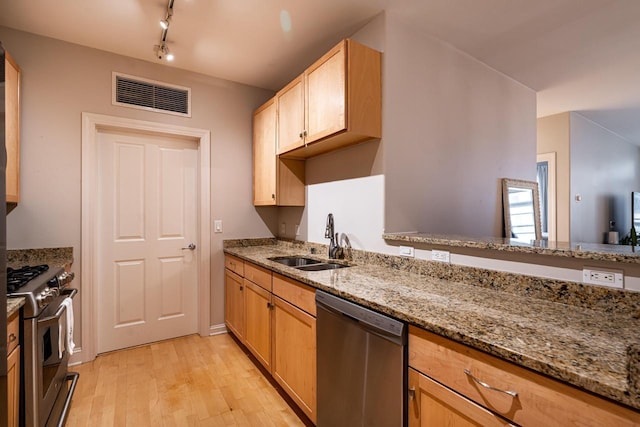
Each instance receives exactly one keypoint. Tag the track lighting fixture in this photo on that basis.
(164, 23)
(162, 50)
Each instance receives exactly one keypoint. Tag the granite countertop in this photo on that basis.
(595, 350)
(58, 257)
(13, 305)
(593, 251)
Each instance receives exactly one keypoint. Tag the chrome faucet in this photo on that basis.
(335, 251)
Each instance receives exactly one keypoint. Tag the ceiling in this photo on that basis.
(579, 55)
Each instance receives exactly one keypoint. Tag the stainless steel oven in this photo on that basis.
(48, 385)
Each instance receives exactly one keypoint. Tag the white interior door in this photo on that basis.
(147, 215)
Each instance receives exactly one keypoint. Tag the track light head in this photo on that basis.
(163, 52)
(165, 23)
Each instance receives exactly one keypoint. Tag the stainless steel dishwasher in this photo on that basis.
(361, 365)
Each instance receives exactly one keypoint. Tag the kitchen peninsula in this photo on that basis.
(585, 336)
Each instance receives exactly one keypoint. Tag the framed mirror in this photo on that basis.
(521, 203)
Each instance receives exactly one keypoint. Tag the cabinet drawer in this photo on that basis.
(234, 264)
(13, 332)
(258, 275)
(432, 404)
(539, 401)
(296, 293)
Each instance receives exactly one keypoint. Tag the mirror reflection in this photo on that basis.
(521, 202)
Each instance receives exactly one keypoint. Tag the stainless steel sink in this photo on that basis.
(294, 261)
(322, 266)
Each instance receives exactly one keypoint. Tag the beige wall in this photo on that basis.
(596, 164)
(452, 128)
(59, 82)
(605, 169)
(553, 137)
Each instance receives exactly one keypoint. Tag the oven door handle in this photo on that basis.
(70, 292)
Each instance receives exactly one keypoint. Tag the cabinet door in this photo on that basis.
(257, 326)
(13, 387)
(432, 405)
(326, 95)
(12, 132)
(291, 116)
(264, 155)
(234, 304)
(294, 354)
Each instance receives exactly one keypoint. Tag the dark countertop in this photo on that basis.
(586, 347)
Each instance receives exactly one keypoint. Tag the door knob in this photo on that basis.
(191, 247)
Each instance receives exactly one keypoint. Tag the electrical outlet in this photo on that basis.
(217, 226)
(283, 228)
(611, 278)
(440, 256)
(406, 251)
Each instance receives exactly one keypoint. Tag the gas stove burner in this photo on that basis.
(17, 278)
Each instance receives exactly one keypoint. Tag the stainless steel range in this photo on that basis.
(48, 384)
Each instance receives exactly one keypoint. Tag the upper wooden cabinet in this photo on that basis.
(334, 103)
(276, 181)
(12, 130)
(291, 116)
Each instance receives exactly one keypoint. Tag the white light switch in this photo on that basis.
(217, 226)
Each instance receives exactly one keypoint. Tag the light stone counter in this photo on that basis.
(13, 305)
(54, 257)
(584, 335)
(584, 251)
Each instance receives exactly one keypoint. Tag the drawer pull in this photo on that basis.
(487, 386)
(12, 337)
(412, 393)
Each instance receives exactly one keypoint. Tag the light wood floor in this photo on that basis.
(188, 381)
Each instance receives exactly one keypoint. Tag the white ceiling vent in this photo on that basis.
(136, 92)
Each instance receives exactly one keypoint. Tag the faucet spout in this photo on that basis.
(335, 251)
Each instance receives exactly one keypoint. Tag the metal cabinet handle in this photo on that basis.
(241, 287)
(487, 386)
(191, 247)
(412, 393)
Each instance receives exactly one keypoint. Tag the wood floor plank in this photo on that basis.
(187, 381)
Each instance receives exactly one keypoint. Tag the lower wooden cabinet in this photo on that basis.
(13, 371)
(464, 386)
(257, 335)
(234, 304)
(294, 349)
(274, 317)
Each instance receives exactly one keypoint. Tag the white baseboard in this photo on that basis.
(76, 357)
(217, 329)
